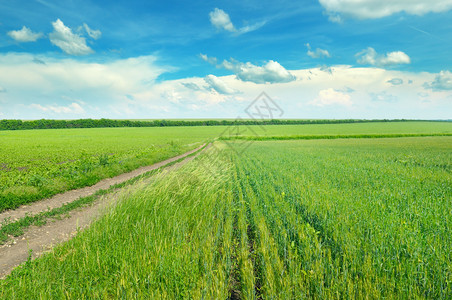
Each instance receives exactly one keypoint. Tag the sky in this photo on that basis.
(332, 59)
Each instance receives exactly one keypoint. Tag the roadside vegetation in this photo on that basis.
(342, 218)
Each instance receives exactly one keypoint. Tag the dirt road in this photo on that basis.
(43, 238)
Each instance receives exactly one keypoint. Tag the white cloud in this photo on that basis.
(210, 60)
(100, 84)
(370, 57)
(318, 53)
(191, 86)
(67, 41)
(2, 90)
(73, 108)
(25, 35)
(253, 27)
(271, 72)
(442, 82)
(218, 85)
(383, 97)
(395, 58)
(95, 34)
(172, 96)
(127, 88)
(395, 81)
(372, 9)
(331, 97)
(221, 20)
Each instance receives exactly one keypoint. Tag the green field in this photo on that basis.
(343, 218)
(35, 164)
(39, 163)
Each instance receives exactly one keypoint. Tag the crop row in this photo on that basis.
(287, 219)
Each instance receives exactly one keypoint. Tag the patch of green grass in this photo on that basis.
(343, 218)
(52, 161)
(17, 227)
(39, 164)
(329, 136)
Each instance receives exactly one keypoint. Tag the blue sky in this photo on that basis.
(210, 59)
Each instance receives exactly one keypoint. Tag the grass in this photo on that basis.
(35, 164)
(16, 228)
(39, 164)
(330, 136)
(342, 218)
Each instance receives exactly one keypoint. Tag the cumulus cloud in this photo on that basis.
(331, 97)
(94, 34)
(221, 20)
(271, 72)
(370, 57)
(396, 81)
(373, 9)
(442, 82)
(219, 85)
(63, 37)
(73, 108)
(25, 35)
(318, 53)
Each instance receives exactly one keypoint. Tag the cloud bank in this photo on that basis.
(128, 88)
(373, 9)
(73, 108)
(442, 82)
(331, 97)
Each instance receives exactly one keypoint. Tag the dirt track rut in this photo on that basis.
(69, 196)
(42, 239)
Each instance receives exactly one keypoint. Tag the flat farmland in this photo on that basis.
(36, 164)
(334, 219)
(39, 163)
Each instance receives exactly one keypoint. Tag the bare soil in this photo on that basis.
(43, 238)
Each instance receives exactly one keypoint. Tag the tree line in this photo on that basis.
(100, 123)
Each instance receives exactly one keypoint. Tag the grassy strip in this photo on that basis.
(17, 228)
(330, 136)
(170, 239)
